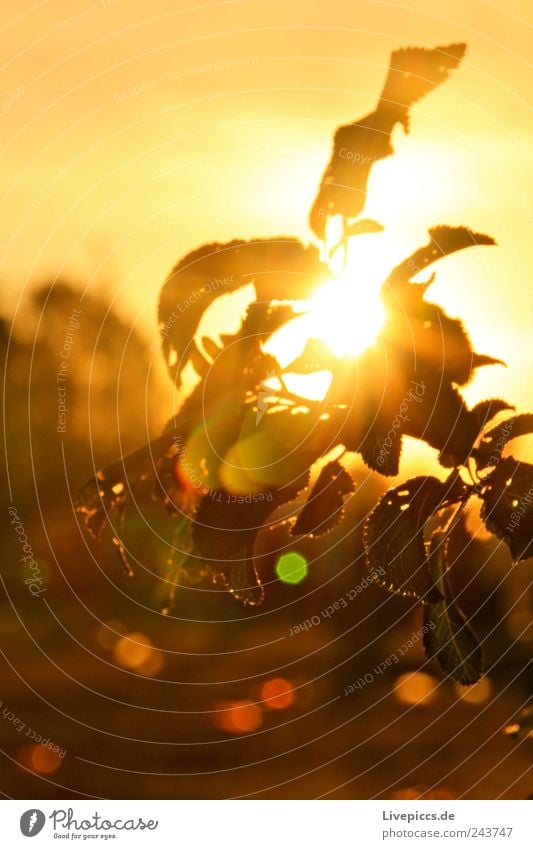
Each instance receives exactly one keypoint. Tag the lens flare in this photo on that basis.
(40, 758)
(291, 568)
(277, 694)
(237, 717)
(415, 688)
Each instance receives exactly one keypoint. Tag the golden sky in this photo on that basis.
(134, 132)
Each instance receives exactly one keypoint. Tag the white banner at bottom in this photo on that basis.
(267, 824)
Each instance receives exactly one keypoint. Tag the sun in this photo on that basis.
(345, 312)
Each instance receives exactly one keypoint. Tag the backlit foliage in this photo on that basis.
(244, 441)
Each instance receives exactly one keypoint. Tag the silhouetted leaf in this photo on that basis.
(394, 536)
(396, 392)
(480, 360)
(380, 452)
(413, 72)
(447, 636)
(427, 337)
(449, 640)
(492, 444)
(363, 227)
(235, 432)
(279, 268)
(444, 241)
(376, 391)
(442, 419)
(485, 411)
(416, 71)
(224, 532)
(199, 361)
(323, 508)
(508, 506)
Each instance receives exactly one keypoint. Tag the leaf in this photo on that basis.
(397, 393)
(109, 491)
(447, 637)
(416, 71)
(363, 227)
(279, 268)
(243, 582)
(324, 506)
(375, 422)
(423, 332)
(381, 452)
(480, 360)
(394, 536)
(356, 147)
(224, 532)
(449, 640)
(487, 410)
(443, 241)
(198, 360)
(507, 510)
(442, 419)
(263, 318)
(492, 444)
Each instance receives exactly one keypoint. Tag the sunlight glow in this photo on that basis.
(347, 314)
(277, 694)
